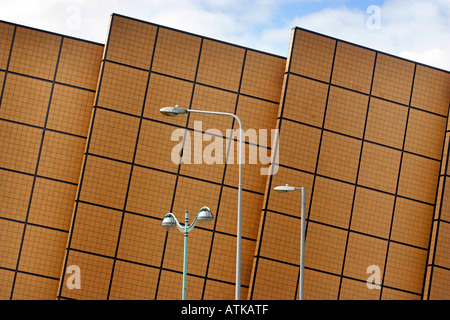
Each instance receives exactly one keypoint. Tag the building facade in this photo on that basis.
(89, 167)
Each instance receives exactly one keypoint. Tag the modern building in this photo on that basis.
(89, 166)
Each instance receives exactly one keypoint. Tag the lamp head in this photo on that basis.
(172, 111)
(168, 222)
(204, 216)
(284, 189)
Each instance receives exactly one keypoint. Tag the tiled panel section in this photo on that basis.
(363, 131)
(46, 101)
(355, 130)
(132, 172)
(438, 263)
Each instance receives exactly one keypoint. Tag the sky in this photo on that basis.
(418, 30)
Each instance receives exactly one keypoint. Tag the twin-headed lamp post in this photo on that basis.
(204, 217)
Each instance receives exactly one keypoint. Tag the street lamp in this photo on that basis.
(174, 111)
(284, 189)
(204, 217)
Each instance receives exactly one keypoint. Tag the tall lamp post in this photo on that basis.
(284, 189)
(204, 216)
(174, 111)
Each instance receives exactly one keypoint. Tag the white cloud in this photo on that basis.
(414, 29)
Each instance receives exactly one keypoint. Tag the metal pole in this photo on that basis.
(239, 220)
(302, 246)
(186, 224)
(239, 223)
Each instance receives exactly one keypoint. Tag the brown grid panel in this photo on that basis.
(170, 286)
(392, 294)
(439, 289)
(320, 286)
(49, 210)
(10, 238)
(167, 92)
(263, 75)
(289, 203)
(372, 212)
(6, 35)
(6, 281)
(70, 110)
(210, 99)
(61, 156)
(35, 53)
(2, 77)
(105, 182)
(386, 123)
(312, 55)
(405, 268)
(131, 42)
(419, 178)
(114, 135)
(20, 147)
(122, 88)
(146, 182)
(357, 290)
(79, 64)
(215, 290)
(95, 276)
(339, 157)
(25, 100)
(443, 246)
(379, 167)
(253, 178)
(43, 251)
(223, 259)
(440, 197)
(15, 189)
(96, 229)
(191, 195)
(445, 153)
(220, 65)
(207, 158)
(298, 145)
(251, 210)
(362, 252)
(176, 54)
(393, 78)
(445, 210)
(332, 202)
(199, 245)
(281, 238)
(346, 112)
(275, 281)
(425, 134)
(155, 148)
(133, 282)
(353, 67)
(412, 222)
(324, 248)
(305, 100)
(142, 240)
(43, 288)
(257, 114)
(431, 90)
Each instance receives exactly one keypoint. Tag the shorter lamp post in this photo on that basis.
(204, 217)
(284, 189)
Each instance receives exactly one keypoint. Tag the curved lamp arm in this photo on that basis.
(182, 228)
